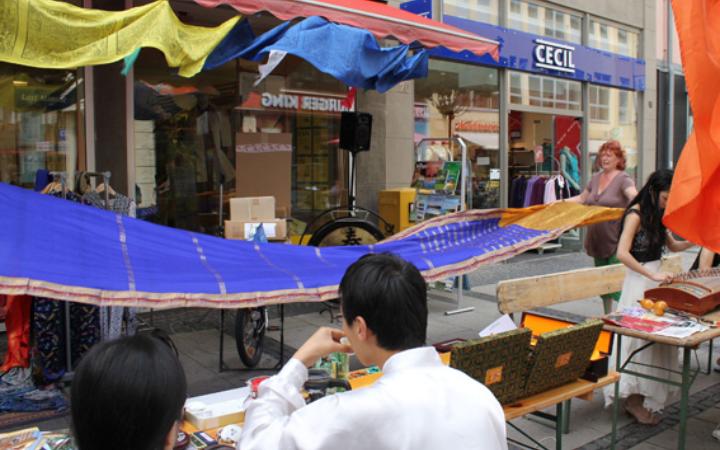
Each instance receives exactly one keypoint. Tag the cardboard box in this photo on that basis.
(217, 410)
(263, 166)
(275, 229)
(252, 208)
(282, 212)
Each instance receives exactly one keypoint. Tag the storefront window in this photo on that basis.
(477, 10)
(614, 116)
(545, 92)
(41, 123)
(538, 19)
(305, 106)
(599, 103)
(472, 114)
(613, 39)
(278, 138)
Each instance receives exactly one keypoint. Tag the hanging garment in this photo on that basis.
(17, 323)
(527, 200)
(50, 338)
(517, 191)
(538, 192)
(550, 187)
(48, 323)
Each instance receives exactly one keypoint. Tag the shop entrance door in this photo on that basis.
(543, 147)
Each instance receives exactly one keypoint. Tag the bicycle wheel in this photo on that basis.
(250, 334)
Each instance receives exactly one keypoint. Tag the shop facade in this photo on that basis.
(569, 78)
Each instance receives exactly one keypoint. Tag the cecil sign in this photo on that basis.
(554, 56)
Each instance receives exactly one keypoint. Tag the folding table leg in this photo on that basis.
(684, 397)
(616, 399)
(710, 358)
(566, 416)
(560, 411)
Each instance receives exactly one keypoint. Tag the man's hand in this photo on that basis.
(323, 342)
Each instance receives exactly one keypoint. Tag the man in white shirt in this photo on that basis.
(418, 403)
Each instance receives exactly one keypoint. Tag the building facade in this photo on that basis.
(674, 115)
(571, 76)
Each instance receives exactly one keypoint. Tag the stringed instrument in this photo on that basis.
(696, 292)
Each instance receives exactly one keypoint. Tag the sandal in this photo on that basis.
(634, 407)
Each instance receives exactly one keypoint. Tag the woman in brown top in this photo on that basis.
(613, 188)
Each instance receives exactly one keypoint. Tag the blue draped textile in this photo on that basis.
(349, 54)
(58, 249)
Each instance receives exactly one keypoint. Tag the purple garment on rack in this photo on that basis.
(528, 191)
(538, 191)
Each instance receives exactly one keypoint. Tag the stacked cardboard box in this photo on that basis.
(247, 213)
(145, 164)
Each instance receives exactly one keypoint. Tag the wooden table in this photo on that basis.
(687, 344)
(558, 396)
(582, 389)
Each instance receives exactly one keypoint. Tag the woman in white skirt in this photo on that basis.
(642, 240)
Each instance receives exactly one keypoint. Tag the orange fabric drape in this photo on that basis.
(17, 322)
(693, 209)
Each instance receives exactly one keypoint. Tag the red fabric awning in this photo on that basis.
(378, 18)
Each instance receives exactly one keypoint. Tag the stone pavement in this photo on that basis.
(195, 333)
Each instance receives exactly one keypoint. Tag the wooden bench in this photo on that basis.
(522, 294)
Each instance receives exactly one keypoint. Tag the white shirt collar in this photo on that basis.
(412, 359)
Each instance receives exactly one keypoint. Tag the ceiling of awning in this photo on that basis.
(380, 19)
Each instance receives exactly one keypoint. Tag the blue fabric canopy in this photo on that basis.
(55, 248)
(349, 54)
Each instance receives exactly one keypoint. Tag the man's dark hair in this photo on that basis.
(127, 393)
(391, 295)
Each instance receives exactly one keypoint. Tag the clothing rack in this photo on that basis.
(106, 175)
(62, 176)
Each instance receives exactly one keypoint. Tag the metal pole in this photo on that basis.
(671, 86)
(221, 365)
(559, 421)
(463, 200)
(504, 141)
(616, 399)
(684, 394)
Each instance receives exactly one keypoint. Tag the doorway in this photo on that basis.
(543, 147)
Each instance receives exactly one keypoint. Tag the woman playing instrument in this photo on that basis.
(642, 240)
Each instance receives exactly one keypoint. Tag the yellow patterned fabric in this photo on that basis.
(559, 215)
(55, 35)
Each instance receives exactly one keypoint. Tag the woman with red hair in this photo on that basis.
(613, 188)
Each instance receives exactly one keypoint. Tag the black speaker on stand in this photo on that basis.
(355, 134)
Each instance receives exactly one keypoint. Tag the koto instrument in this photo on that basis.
(696, 292)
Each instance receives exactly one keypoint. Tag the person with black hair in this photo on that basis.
(643, 237)
(418, 403)
(706, 260)
(128, 393)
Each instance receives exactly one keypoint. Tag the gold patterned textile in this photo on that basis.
(558, 215)
(56, 35)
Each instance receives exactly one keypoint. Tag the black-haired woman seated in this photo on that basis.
(128, 394)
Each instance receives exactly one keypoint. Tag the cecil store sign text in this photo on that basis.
(550, 55)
